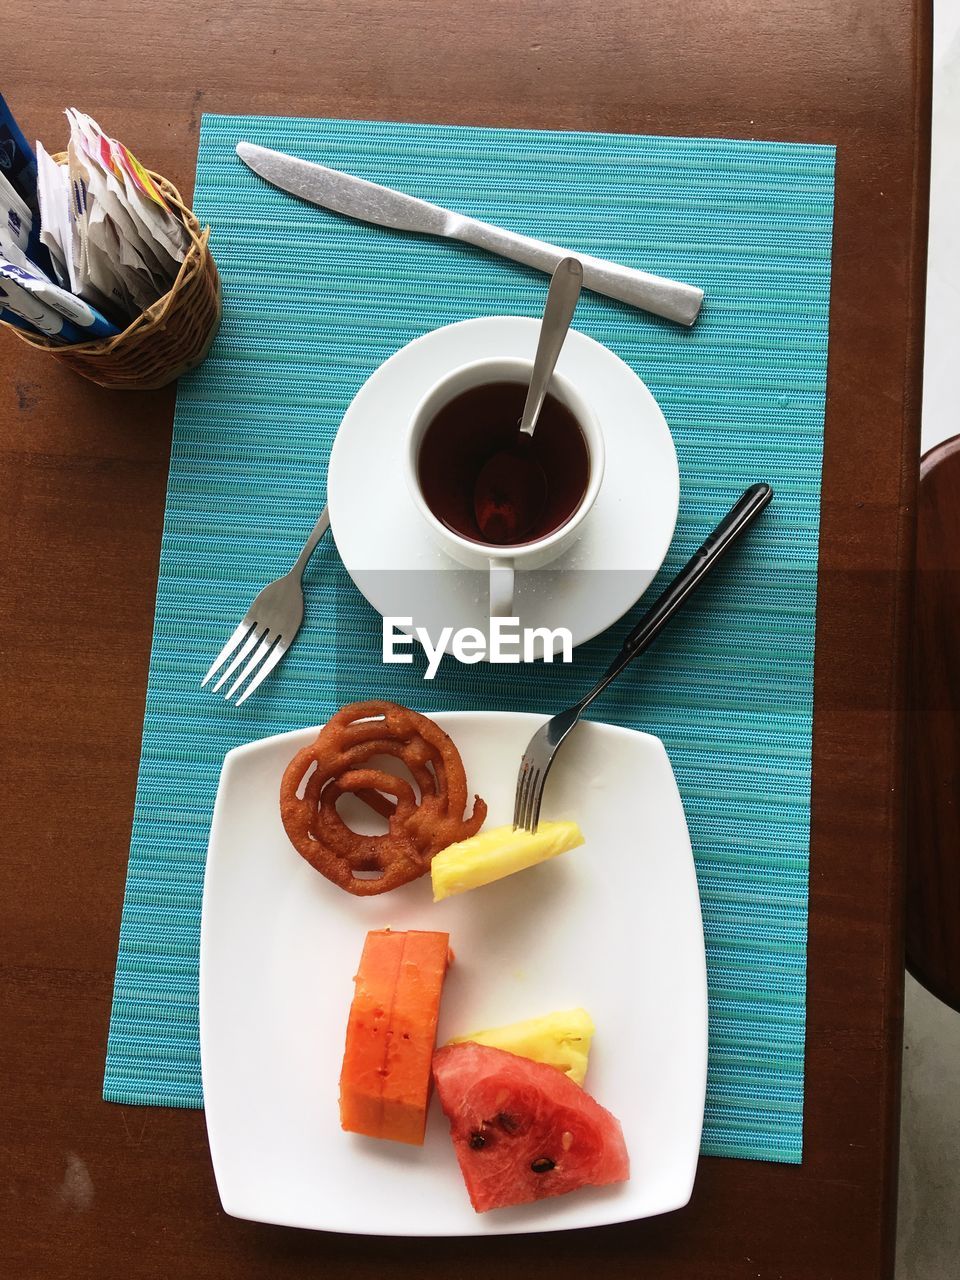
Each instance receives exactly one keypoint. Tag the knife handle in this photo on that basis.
(668, 298)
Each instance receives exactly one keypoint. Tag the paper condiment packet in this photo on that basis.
(163, 235)
(55, 216)
(85, 245)
(106, 186)
(98, 277)
(48, 308)
(15, 218)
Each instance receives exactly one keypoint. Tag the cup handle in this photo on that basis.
(501, 588)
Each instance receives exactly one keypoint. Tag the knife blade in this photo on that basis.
(369, 202)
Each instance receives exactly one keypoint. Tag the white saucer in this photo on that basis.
(387, 548)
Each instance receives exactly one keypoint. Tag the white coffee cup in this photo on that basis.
(503, 561)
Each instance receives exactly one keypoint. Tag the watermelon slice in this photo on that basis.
(523, 1130)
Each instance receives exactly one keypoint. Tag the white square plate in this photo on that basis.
(613, 926)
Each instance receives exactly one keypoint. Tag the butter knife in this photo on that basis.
(369, 202)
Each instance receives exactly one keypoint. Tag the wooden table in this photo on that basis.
(93, 1190)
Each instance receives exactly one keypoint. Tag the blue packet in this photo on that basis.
(48, 309)
(17, 161)
(18, 164)
(18, 322)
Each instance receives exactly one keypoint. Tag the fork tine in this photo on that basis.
(263, 648)
(256, 633)
(518, 799)
(528, 776)
(533, 818)
(532, 801)
(276, 653)
(227, 649)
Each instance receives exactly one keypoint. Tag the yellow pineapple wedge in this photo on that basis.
(560, 1040)
(491, 855)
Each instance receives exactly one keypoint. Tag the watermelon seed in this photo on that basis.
(508, 1122)
(477, 1142)
(542, 1164)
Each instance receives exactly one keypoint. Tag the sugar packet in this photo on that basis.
(55, 230)
(49, 309)
(16, 220)
(18, 168)
(18, 164)
(153, 229)
(86, 244)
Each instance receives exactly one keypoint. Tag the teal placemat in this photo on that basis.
(312, 305)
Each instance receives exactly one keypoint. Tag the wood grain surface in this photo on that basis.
(94, 1190)
(933, 743)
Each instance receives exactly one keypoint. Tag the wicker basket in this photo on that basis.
(170, 337)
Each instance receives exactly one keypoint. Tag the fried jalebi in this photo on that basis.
(337, 763)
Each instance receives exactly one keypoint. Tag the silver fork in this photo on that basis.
(543, 746)
(268, 629)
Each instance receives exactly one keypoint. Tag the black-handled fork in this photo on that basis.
(543, 746)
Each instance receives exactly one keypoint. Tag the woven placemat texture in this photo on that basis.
(313, 303)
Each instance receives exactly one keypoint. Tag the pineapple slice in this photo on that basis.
(561, 1040)
(497, 853)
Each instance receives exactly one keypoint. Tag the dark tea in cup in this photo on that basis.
(538, 482)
